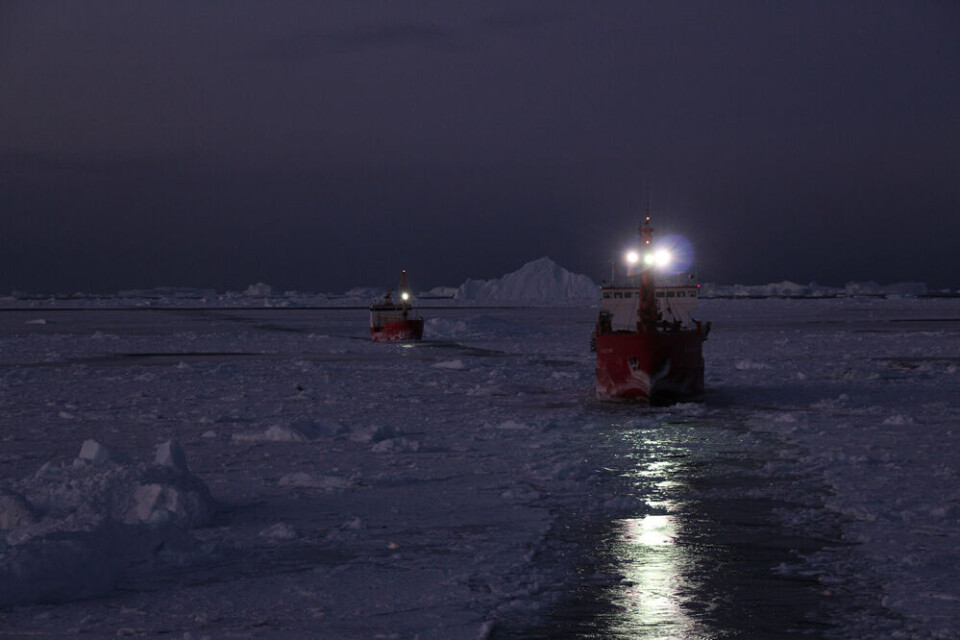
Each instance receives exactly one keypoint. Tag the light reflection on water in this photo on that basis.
(695, 560)
(650, 597)
(657, 571)
(647, 548)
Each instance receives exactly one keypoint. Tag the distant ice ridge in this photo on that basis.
(787, 289)
(259, 290)
(181, 293)
(364, 293)
(542, 280)
(440, 292)
(538, 282)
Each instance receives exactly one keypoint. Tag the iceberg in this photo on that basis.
(542, 280)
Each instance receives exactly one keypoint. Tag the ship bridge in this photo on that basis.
(675, 303)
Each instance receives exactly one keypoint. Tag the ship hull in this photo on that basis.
(650, 367)
(398, 330)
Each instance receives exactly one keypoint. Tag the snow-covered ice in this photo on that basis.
(188, 472)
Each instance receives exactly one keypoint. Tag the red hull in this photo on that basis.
(397, 330)
(652, 367)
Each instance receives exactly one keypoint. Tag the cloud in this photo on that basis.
(520, 19)
(390, 35)
(312, 44)
(20, 166)
(306, 45)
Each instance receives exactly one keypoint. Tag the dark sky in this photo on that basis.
(319, 146)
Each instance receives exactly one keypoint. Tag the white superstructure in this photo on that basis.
(674, 304)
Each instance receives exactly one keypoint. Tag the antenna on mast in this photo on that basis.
(646, 231)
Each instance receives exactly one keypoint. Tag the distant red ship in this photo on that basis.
(649, 348)
(392, 321)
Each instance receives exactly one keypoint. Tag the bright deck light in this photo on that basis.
(404, 296)
(662, 258)
(678, 253)
(632, 257)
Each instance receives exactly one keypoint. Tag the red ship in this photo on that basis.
(649, 348)
(392, 321)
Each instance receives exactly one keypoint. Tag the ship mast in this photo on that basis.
(647, 309)
(404, 294)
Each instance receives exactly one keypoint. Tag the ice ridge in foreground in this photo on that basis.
(71, 531)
